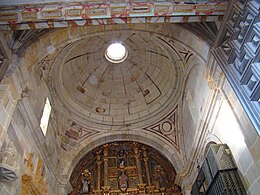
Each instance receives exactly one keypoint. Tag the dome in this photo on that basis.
(143, 86)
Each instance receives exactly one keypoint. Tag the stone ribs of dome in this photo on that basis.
(130, 94)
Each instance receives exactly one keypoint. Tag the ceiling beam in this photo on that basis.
(27, 14)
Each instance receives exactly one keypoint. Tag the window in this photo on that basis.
(45, 116)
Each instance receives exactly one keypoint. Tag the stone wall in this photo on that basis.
(232, 126)
(225, 121)
(210, 111)
(22, 101)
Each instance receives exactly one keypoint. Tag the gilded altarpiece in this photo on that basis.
(124, 168)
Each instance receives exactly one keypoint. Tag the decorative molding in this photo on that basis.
(167, 128)
(64, 14)
(183, 53)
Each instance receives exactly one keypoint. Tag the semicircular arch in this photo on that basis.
(161, 145)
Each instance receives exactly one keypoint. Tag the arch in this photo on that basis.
(211, 139)
(206, 149)
(185, 107)
(165, 148)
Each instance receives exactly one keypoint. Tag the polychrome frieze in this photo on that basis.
(16, 17)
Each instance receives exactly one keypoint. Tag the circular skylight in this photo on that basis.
(116, 53)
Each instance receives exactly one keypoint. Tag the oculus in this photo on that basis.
(116, 53)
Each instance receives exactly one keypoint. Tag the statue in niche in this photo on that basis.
(123, 181)
(159, 177)
(122, 158)
(86, 181)
(122, 164)
(86, 185)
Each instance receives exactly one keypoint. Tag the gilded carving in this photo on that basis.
(149, 173)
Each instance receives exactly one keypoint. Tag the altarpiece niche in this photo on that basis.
(124, 168)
